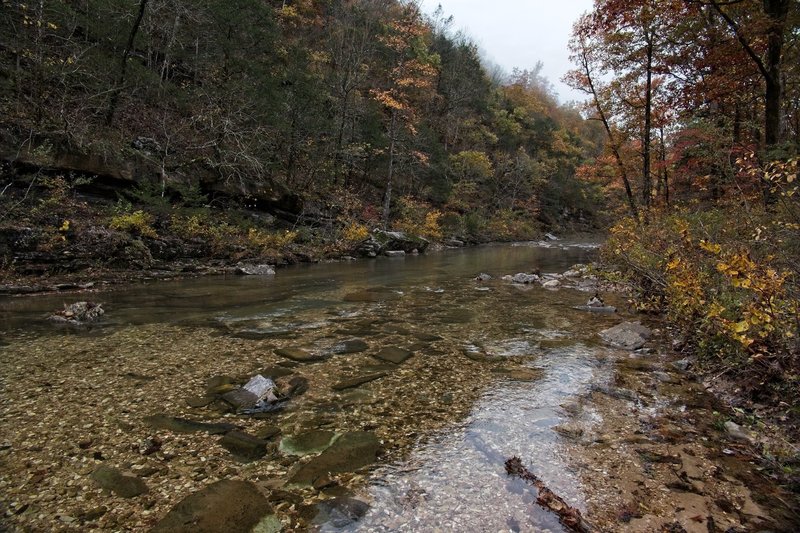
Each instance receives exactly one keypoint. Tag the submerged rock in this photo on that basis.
(307, 443)
(350, 346)
(340, 512)
(350, 452)
(114, 480)
(229, 505)
(183, 425)
(358, 380)
(394, 354)
(628, 335)
(244, 446)
(298, 354)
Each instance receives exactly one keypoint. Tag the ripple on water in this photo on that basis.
(455, 481)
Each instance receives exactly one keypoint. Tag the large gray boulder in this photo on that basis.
(628, 335)
(382, 241)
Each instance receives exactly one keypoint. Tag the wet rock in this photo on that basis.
(358, 380)
(228, 505)
(427, 337)
(483, 277)
(551, 284)
(454, 243)
(571, 274)
(268, 432)
(114, 480)
(351, 346)
(183, 425)
(274, 372)
(394, 253)
(628, 335)
(296, 386)
(393, 354)
(78, 313)
(550, 237)
(200, 401)
(220, 385)
(596, 309)
(340, 512)
(307, 443)
(665, 377)
(736, 432)
(570, 431)
(523, 278)
(681, 365)
(298, 354)
(350, 452)
(244, 446)
(255, 270)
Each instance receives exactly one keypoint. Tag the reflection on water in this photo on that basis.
(455, 481)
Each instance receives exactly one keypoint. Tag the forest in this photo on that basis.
(165, 139)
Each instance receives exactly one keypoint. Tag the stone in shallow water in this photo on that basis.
(350, 346)
(114, 480)
(244, 446)
(358, 380)
(298, 354)
(350, 452)
(307, 443)
(393, 354)
(228, 505)
(220, 385)
(200, 401)
(183, 425)
(628, 335)
(340, 512)
(268, 432)
(427, 337)
(274, 372)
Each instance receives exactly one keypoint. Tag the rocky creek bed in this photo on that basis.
(406, 384)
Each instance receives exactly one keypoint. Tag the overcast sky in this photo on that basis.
(518, 33)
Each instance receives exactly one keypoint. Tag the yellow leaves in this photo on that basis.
(740, 327)
(710, 247)
(674, 263)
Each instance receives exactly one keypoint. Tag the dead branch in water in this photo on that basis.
(569, 516)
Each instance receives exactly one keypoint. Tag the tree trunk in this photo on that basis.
(387, 197)
(112, 106)
(614, 148)
(647, 180)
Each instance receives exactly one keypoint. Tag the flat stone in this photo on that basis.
(394, 354)
(240, 399)
(307, 443)
(184, 425)
(551, 284)
(596, 308)
(340, 512)
(350, 452)
(255, 270)
(394, 253)
(114, 480)
(268, 432)
(274, 372)
(427, 337)
(244, 446)
(298, 354)
(628, 335)
(200, 401)
(220, 385)
(350, 346)
(229, 505)
(358, 380)
(570, 431)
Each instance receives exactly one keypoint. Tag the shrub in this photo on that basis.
(136, 223)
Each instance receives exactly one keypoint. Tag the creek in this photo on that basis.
(491, 370)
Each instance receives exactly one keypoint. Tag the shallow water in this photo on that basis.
(447, 421)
